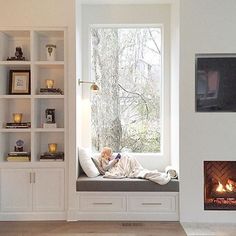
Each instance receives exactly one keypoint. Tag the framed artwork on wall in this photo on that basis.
(19, 82)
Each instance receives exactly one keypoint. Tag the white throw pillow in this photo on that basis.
(87, 163)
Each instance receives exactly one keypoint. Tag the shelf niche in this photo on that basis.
(9, 40)
(8, 142)
(42, 38)
(43, 139)
(10, 106)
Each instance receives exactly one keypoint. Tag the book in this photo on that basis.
(18, 155)
(50, 160)
(18, 125)
(49, 125)
(18, 158)
(47, 91)
(52, 156)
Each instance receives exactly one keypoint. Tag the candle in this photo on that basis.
(17, 117)
(52, 147)
(49, 83)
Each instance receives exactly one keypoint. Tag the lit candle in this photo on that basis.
(52, 147)
(49, 83)
(17, 117)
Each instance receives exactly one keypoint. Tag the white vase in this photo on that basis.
(51, 52)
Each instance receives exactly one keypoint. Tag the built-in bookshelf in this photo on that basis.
(33, 44)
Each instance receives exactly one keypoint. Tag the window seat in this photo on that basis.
(126, 199)
(100, 184)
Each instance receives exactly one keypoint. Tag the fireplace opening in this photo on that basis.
(219, 185)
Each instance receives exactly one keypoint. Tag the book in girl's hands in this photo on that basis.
(118, 156)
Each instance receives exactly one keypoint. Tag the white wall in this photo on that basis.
(174, 85)
(206, 26)
(126, 14)
(35, 13)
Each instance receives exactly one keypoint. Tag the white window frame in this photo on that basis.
(164, 155)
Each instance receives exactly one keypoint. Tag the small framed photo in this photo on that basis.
(19, 82)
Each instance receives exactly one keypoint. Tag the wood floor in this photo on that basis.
(61, 228)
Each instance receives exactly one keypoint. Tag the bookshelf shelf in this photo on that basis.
(33, 43)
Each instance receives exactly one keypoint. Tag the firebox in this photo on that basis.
(220, 185)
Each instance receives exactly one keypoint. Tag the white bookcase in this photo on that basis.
(33, 106)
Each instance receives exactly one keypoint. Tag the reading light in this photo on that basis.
(94, 87)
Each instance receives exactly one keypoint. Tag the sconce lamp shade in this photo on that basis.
(94, 87)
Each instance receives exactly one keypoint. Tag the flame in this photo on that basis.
(220, 188)
(228, 187)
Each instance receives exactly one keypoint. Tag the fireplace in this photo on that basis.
(219, 185)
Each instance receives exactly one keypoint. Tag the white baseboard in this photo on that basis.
(32, 216)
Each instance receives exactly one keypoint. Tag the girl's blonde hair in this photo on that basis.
(105, 151)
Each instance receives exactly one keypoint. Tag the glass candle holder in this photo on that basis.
(52, 147)
(17, 117)
(49, 83)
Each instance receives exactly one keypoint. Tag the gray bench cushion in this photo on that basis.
(100, 184)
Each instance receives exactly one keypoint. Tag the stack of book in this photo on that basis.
(51, 91)
(47, 156)
(18, 156)
(23, 125)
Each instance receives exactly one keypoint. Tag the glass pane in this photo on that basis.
(126, 64)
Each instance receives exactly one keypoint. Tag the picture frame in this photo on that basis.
(19, 82)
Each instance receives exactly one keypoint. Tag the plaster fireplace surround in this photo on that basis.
(220, 185)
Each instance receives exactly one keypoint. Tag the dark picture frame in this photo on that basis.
(19, 82)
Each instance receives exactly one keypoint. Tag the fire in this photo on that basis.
(220, 188)
(228, 187)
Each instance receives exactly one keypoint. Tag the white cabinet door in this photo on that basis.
(48, 189)
(16, 190)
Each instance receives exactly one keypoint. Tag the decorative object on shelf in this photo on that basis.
(49, 90)
(19, 154)
(19, 82)
(47, 156)
(94, 87)
(50, 116)
(17, 117)
(19, 146)
(18, 55)
(49, 83)
(50, 52)
(17, 122)
(50, 119)
(52, 147)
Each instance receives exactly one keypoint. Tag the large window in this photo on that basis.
(126, 114)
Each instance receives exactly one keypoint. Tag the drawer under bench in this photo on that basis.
(128, 206)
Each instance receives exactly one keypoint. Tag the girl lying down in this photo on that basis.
(126, 166)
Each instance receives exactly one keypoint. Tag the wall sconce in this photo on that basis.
(94, 87)
(17, 117)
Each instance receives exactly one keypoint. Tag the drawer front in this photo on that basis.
(151, 204)
(102, 204)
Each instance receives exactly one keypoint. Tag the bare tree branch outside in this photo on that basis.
(126, 64)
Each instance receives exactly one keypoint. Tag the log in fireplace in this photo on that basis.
(219, 185)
